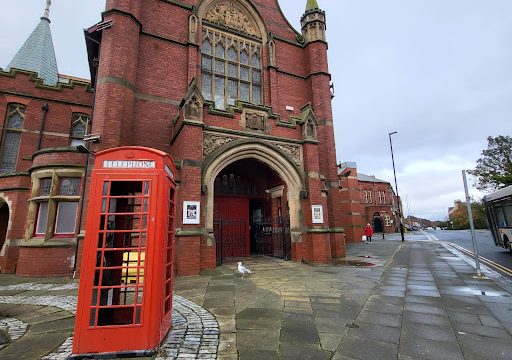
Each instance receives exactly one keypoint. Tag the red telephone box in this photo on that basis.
(125, 294)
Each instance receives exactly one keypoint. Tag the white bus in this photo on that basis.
(498, 207)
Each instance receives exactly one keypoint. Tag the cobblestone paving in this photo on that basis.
(35, 286)
(194, 334)
(13, 327)
(62, 302)
(63, 352)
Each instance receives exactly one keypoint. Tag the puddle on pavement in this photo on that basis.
(352, 326)
(354, 263)
(480, 292)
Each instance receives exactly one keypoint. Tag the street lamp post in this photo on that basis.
(396, 188)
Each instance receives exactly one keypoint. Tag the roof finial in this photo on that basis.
(47, 10)
(311, 5)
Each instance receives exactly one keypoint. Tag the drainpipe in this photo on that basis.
(82, 203)
(45, 109)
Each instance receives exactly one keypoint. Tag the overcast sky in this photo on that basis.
(437, 71)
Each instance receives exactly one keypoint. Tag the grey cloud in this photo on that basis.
(436, 71)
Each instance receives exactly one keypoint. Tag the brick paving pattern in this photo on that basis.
(194, 334)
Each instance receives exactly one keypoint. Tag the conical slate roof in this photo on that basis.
(37, 54)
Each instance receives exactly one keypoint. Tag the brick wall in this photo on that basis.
(58, 261)
(146, 65)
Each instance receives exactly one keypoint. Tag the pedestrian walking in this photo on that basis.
(368, 231)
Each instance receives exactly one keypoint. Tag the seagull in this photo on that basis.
(242, 269)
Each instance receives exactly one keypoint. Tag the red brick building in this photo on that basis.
(378, 204)
(240, 100)
(44, 115)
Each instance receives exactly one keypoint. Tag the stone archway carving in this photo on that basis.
(239, 15)
(268, 156)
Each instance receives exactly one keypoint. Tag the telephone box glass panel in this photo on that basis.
(120, 256)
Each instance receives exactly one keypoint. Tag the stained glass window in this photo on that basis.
(206, 86)
(207, 63)
(232, 91)
(244, 73)
(69, 186)
(244, 57)
(219, 50)
(244, 91)
(232, 55)
(45, 186)
(219, 92)
(207, 47)
(256, 59)
(219, 67)
(11, 138)
(231, 68)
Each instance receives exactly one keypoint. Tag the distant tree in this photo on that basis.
(442, 224)
(460, 217)
(494, 169)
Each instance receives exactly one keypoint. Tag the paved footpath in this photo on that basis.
(388, 299)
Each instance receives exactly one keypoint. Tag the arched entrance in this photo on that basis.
(258, 188)
(4, 222)
(251, 212)
(377, 223)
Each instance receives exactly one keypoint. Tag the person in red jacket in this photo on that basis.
(368, 231)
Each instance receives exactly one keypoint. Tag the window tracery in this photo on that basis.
(231, 68)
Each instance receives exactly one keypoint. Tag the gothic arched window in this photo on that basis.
(11, 138)
(230, 68)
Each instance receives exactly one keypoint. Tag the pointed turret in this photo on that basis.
(313, 22)
(37, 53)
(311, 5)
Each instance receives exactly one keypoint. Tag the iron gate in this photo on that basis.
(273, 238)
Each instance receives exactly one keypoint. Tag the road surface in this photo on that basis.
(490, 254)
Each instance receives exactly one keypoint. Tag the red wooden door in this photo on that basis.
(234, 213)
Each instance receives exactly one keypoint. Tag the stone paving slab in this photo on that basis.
(417, 300)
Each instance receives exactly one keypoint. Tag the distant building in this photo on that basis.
(458, 204)
(378, 202)
(414, 221)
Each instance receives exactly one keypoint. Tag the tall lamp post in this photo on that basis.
(396, 188)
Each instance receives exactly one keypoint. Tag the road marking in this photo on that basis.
(488, 262)
(430, 236)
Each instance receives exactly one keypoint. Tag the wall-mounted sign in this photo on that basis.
(191, 212)
(129, 164)
(317, 214)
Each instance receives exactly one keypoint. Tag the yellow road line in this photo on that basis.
(485, 260)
